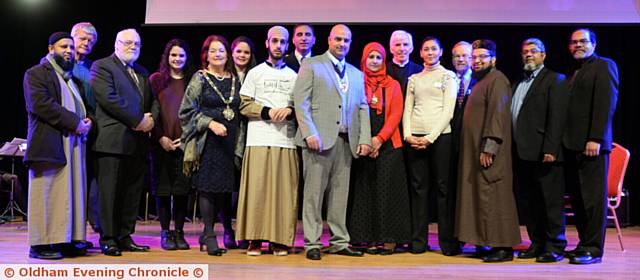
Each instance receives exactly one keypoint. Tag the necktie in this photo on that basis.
(461, 90)
(339, 69)
(135, 78)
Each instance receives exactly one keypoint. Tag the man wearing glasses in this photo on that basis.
(486, 210)
(593, 90)
(125, 114)
(538, 112)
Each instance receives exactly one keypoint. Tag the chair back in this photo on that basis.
(618, 161)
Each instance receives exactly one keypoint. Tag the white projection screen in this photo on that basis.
(391, 11)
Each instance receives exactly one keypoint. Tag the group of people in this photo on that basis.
(371, 144)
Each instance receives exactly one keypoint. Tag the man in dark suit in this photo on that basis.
(538, 109)
(593, 90)
(303, 39)
(125, 114)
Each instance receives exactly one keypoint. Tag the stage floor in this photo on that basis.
(237, 265)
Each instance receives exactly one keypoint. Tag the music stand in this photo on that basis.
(13, 149)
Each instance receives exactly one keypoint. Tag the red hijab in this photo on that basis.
(375, 81)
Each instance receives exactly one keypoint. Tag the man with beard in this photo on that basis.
(333, 118)
(85, 37)
(593, 91)
(538, 112)
(303, 40)
(486, 210)
(58, 125)
(125, 113)
(401, 67)
(267, 205)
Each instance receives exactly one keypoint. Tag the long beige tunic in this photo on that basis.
(267, 202)
(486, 210)
(57, 194)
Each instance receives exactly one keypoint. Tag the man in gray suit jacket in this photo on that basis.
(333, 119)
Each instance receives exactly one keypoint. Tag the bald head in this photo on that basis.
(339, 41)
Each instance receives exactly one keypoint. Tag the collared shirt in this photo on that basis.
(344, 88)
(519, 96)
(400, 64)
(466, 77)
(299, 56)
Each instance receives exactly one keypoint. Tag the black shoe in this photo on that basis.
(481, 251)
(314, 254)
(499, 255)
(111, 250)
(167, 240)
(181, 243)
(71, 250)
(348, 252)
(372, 250)
(451, 253)
(572, 253)
(211, 242)
(44, 252)
(418, 249)
(584, 258)
(243, 244)
(230, 240)
(127, 244)
(549, 257)
(530, 253)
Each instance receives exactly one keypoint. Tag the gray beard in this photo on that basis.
(530, 67)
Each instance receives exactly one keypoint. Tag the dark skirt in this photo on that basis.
(216, 173)
(379, 199)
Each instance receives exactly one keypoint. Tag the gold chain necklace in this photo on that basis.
(227, 113)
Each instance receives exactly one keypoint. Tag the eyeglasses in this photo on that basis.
(459, 56)
(531, 51)
(481, 56)
(130, 43)
(581, 41)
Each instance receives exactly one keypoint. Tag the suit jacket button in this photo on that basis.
(340, 106)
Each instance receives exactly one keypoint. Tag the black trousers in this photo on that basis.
(93, 205)
(120, 183)
(586, 179)
(429, 172)
(541, 186)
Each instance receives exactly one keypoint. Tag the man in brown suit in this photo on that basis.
(486, 210)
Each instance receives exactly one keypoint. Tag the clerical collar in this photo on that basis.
(401, 65)
(299, 56)
(278, 66)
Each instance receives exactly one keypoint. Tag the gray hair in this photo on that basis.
(462, 43)
(534, 41)
(87, 27)
(401, 34)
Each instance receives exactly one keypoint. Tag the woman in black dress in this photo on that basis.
(209, 119)
(379, 200)
(169, 84)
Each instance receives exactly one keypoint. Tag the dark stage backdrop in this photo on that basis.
(27, 29)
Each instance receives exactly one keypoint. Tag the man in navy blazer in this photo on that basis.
(593, 90)
(125, 114)
(538, 109)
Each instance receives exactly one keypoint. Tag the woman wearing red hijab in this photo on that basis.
(379, 214)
